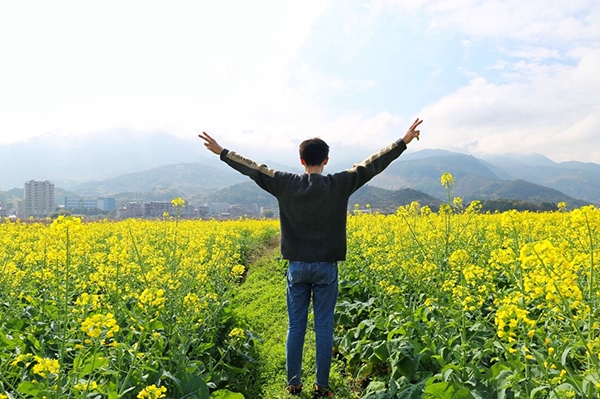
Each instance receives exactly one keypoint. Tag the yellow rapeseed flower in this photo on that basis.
(152, 299)
(447, 180)
(46, 367)
(178, 202)
(23, 358)
(86, 386)
(95, 325)
(152, 392)
(237, 271)
(237, 332)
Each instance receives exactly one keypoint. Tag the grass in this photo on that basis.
(261, 302)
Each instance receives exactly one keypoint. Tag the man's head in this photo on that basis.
(313, 152)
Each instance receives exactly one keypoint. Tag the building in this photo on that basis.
(38, 199)
(4, 210)
(131, 210)
(80, 203)
(107, 204)
(153, 209)
(103, 204)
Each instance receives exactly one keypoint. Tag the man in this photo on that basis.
(312, 210)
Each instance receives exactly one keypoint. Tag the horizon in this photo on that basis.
(101, 160)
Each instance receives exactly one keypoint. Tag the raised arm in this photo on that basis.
(361, 173)
(211, 144)
(260, 173)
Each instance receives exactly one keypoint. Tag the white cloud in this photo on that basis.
(538, 53)
(76, 67)
(531, 21)
(552, 111)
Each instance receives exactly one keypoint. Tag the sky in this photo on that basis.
(486, 76)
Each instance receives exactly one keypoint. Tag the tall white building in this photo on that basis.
(38, 199)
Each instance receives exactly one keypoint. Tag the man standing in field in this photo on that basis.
(312, 210)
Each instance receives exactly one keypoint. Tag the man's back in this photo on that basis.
(313, 207)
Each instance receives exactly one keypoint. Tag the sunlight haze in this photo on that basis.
(487, 76)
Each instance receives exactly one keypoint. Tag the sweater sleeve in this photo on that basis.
(361, 173)
(260, 173)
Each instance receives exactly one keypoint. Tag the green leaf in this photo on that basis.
(9, 344)
(439, 390)
(31, 389)
(34, 341)
(565, 386)
(93, 363)
(226, 394)
(380, 352)
(536, 390)
(462, 393)
(171, 377)
(565, 354)
(439, 359)
(193, 386)
(589, 383)
(112, 391)
(365, 370)
(405, 367)
(375, 387)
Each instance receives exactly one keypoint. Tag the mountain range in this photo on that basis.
(530, 178)
(525, 178)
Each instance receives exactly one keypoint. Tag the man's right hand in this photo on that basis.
(211, 143)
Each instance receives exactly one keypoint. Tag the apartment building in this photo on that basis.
(151, 209)
(38, 199)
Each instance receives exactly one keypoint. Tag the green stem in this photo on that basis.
(65, 312)
(133, 362)
(591, 290)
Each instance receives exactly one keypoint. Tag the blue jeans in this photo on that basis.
(321, 280)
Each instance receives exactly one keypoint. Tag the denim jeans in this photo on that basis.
(321, 280)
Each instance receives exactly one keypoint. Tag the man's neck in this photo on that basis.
(314, 169)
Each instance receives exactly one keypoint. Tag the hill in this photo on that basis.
(478, 179)
(388, 201)
(183, 179)
(577, 179)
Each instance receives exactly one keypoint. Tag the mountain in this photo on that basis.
(185, 178)
(577, 179)
(531, 178)
(386, 201)
(246, 194)
(69, 161)
(423, 173)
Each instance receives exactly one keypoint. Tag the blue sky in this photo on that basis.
(487, 76)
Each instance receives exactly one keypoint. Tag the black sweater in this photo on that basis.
(313, 207)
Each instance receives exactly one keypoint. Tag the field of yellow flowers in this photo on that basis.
(448, 304)
(459, 304)
(131, 309)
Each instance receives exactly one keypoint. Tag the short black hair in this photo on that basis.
(314, 151)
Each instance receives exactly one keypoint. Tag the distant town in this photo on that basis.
(39, 203)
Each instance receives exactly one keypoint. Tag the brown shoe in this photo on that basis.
(321, 392)
(294, 389)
